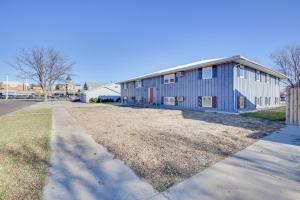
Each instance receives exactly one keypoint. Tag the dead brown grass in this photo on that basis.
(167, 146)
(24, 153)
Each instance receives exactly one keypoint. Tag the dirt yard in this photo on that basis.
(167, 146)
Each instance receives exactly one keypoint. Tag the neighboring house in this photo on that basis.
(103, 92)
(92, 85)
(230, 84)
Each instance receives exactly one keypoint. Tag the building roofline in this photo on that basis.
(204, 63)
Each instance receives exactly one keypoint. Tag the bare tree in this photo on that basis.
(287, 61)
(42, 66)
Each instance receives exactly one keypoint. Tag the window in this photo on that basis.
(169, 100)
(268, 79)
(139, 99)
(241, 71)
(207, 73)
(241, 102)
(207, 101)
(276, 100)
(258, 101)
(125, 86)
(257, 75)
(170, 78)
(138, 84)
(276, 81)
(267, 101)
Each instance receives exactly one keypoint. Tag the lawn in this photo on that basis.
(165, 147)
(24, 153)
(276, 114)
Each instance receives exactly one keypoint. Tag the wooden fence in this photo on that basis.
(293, 106)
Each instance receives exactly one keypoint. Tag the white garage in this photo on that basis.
(103, 92)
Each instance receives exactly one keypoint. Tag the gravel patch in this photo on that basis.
(165, 147)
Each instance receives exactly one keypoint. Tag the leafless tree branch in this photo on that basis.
(43, 66)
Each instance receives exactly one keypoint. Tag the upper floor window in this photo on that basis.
(125, 86)
(138, 84)
(241, 71)
(257, 75)
(276, 81)
(169, 78)
(268, 79)
(207, 73)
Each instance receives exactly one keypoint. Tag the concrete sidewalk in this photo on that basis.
(268, 169)
(82, 169)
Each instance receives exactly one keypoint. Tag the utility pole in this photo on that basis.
(6, 86)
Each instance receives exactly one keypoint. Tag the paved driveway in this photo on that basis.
(7, 106)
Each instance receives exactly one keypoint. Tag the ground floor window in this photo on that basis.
(169, 100)
(241, 102)
(258, 101)
(207, 101)
(139, 100)
(267, 101)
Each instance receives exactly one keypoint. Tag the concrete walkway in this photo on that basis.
(82, 169)
(268, 169)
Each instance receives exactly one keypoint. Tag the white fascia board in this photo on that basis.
(205, 63)
(255, 65)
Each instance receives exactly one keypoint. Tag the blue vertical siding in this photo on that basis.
(226, 87)
(190, 87)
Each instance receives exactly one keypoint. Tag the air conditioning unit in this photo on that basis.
(180, 74)
(179, 99)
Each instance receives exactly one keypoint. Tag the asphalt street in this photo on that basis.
(7, 106)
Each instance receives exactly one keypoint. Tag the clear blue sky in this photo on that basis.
(116, 40)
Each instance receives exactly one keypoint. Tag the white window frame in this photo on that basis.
(207, 73)
(207, 104)
(169, 78)
(258, 75)
(169, 101)
(138, 84)
(242, 71)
